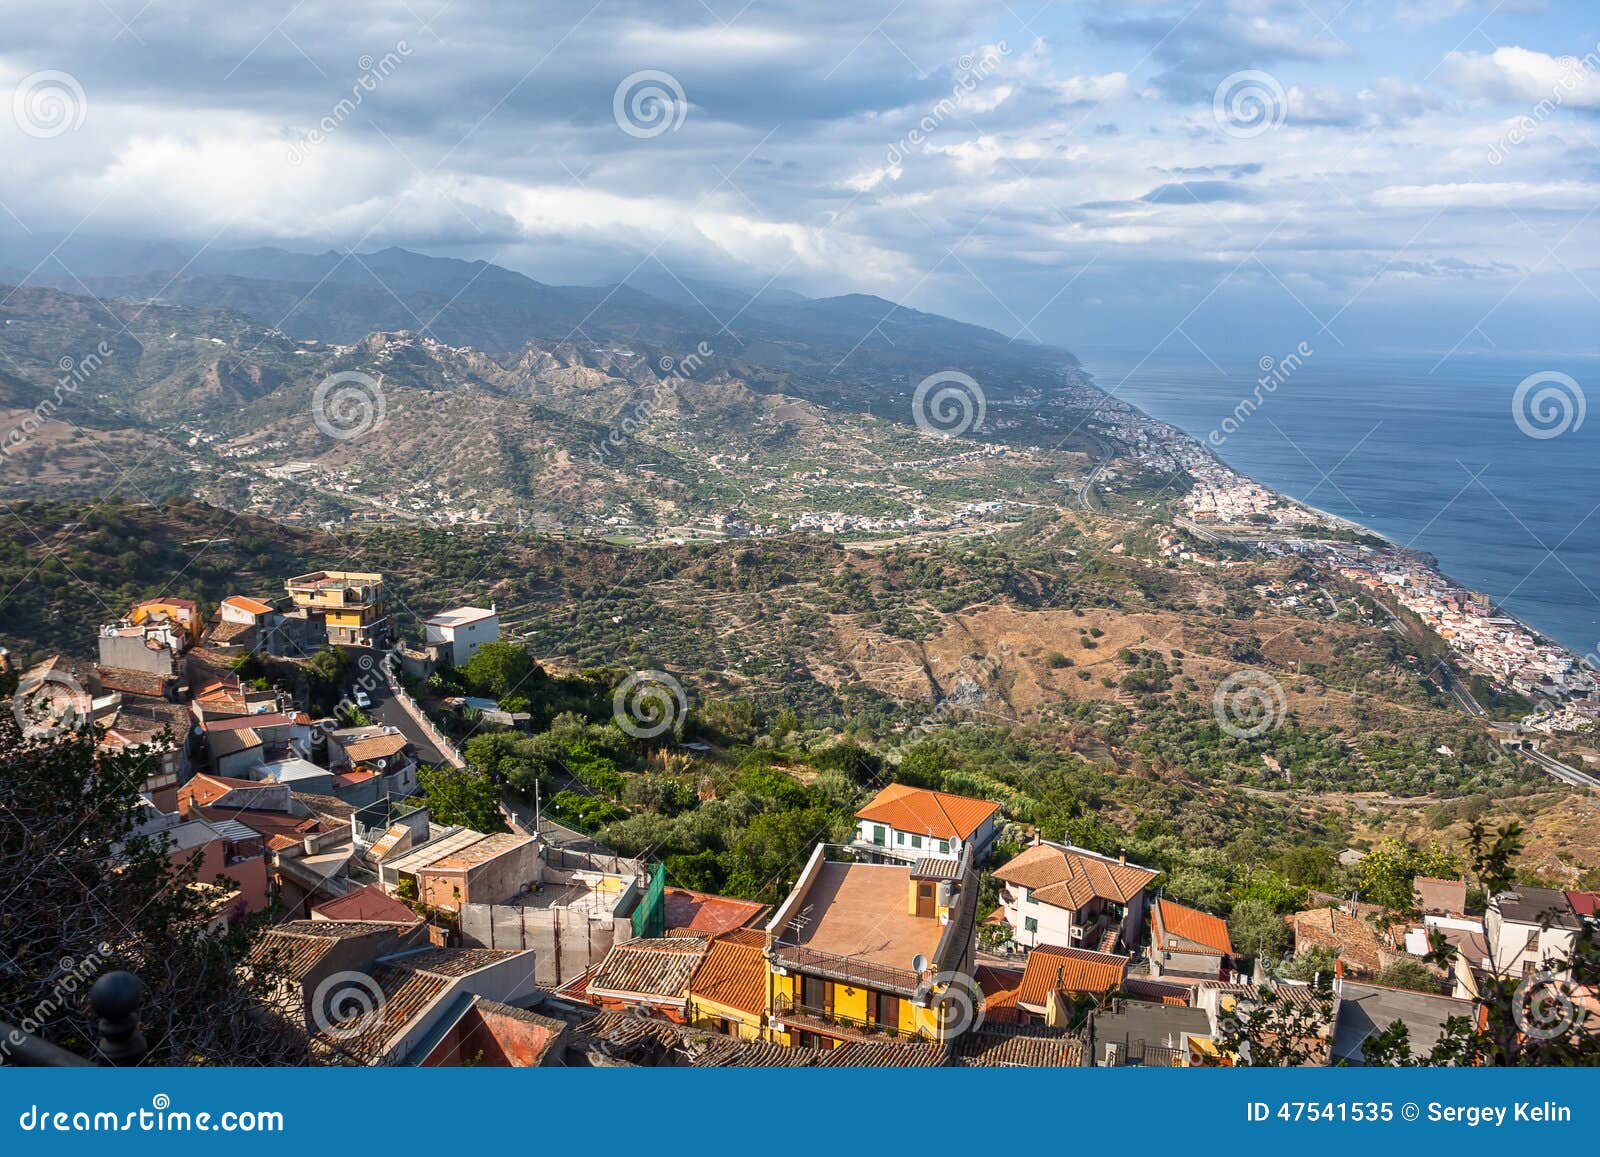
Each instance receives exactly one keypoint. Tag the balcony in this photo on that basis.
(848, 969)
(808, 1018)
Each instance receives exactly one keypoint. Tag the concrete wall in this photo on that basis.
(130, 653)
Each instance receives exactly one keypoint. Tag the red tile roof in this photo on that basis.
(1071, 877)
(245, 603)
(1072, 970)
(657, 968)
(1192, 925)
(931, 813)
(733, 973)
(366, 903)
(713, 915)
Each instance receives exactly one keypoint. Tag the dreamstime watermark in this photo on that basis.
(48, 702)
(160, 1117)
(372, 676)
(346, 1004)
(972, 71)
(643, 412)
(73, 976)
(1248, 704)
(1274, 373)
(1574, 70)
(968, 689)
(348, 405)
(648, 103)
(648, 704)
(954, 999)
(373, 73)
(948, 404)
(1548, 404)
(75, 372)
(1543, 1008)
(1249, 103)
(49, 103)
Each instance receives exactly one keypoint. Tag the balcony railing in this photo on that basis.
(808, 1016)
(850, 969)
(115, 999)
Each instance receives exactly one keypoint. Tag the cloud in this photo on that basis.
(1519, 74)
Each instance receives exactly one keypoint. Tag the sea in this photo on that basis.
(1455, 456)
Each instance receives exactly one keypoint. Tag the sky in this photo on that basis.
(1223, 178)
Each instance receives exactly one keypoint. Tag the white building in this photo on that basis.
(1529, 930)
(908, 824)
(1069, 897)
(463, 630)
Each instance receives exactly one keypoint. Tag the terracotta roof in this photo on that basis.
(481, 851)
(206, 788)
(295, 946)
(1071, 877)
(235, 722)
(993, 1047)
(1350, 938)
(231, 742)
(733, 973)
(704, 912)
(1193, 925)
(1584, 903)
(268, 823)
(1439, 896)
(225, 631)
(929, 813)
(1000, 987)
(366, 903)
(1159, 991)
(245, 603)
(375, 747)
(657, 968)
(145, 683)
(1051, 969)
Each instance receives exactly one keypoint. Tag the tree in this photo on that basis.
(498, 669)
(1388, 871)
(1256, 930)
(94, 897)
(462, 796)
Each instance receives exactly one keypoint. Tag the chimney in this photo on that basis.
(1122, 857)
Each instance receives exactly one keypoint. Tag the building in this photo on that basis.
(728, 990)
(858, 950)
(216, 848)
(1056, 977)
(1137, 1034)
(1060, 894)
(351, 605)
(1435, 897)
(909, 823)
(1187, 942)
(462, 631)
(467, 867)
(1364, 1009)
(1531, 930)
(1348, 937)
(650, 975)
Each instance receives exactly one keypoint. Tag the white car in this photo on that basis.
(363, 700)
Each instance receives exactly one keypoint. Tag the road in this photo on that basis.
(366, 673)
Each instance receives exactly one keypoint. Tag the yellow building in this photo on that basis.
(728, 991)
(351, 604)
(859, 951)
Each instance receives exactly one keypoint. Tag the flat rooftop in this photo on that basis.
(860, 910)
(459, 617)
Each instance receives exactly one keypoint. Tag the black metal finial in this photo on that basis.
(115, 998)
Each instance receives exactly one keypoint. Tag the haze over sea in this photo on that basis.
(1426, 453)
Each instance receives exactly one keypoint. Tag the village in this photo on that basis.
(536, 946)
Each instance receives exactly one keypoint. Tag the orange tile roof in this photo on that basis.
(929, 813)
(375, 747)
(1070, 878)
(1192, 925)
(245, 603)
(366, 903)
(734, 973)
(1051, 969)
(1000, 987)
(704, 912)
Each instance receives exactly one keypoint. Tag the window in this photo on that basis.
(1027, 894)
(899, 837)
(1029, 924)
(916, 841)
(877, 834)
(944, 847)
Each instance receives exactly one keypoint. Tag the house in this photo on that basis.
(1349, 938)
(728, 990)
(1056, 977)
(1061, 894)
(908, 823)
(1531, 930)
(299, 774)
(651, 974)
(1435, 897)
(351, 605)
(1310, 1009)
(1187, 942)
(466, 867)
(686, 910)
(365, 903)
(1364, 1009)
(183, 614)
(857, 949)
(215, 848)
(461, 631)
(1136, 1034)
(382, 749)
(239, 743)
(489, 1034)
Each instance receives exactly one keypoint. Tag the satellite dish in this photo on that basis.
(919, 964)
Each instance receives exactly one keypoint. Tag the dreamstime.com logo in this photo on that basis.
(1249, 103)
(649, 703)
(49, 103)
(346, 1004)
(1543, 1008)
(1548, 404)
(348, 405)
(955, 1000)
(71, 977)
(1248, 704)
(648, 103)
(49, 702)
(160, 1117)
(948, 404)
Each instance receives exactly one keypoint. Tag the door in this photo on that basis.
(925, 905)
